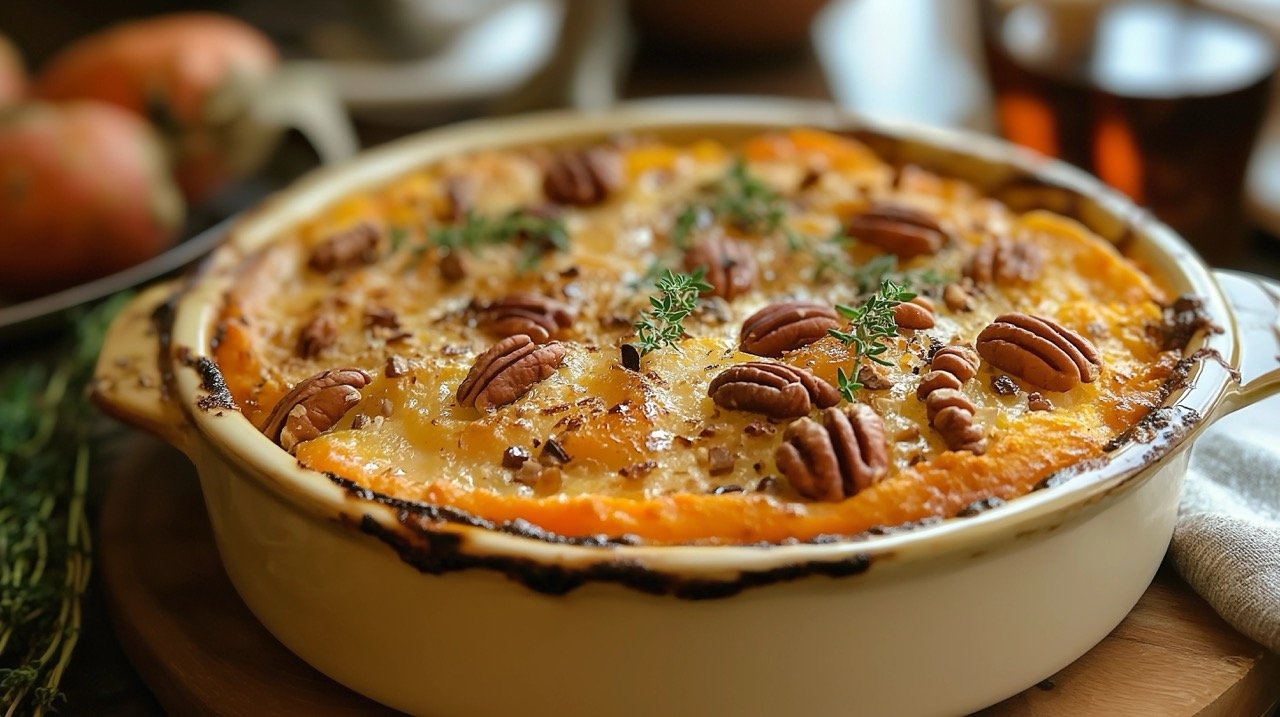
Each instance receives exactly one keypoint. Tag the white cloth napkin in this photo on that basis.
(1227, 540)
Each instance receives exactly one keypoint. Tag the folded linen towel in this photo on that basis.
(1227, 540)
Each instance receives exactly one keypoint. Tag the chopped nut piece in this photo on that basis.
(359, 245)
(314, 406)
(528, 473)
(872, 377)
(381, 317)
(759, 429)
(726, 489)
(319, 334)
(768, 484)
(453, 267)
(1039, 351)
(835, 459)
(637, 470)
(786, 326)
(906, 435)
(1037, 402)
(773, 389)
(900, 230)
(515, 457)
(1003, 385)
(396, 367)
(583, 177)
(719, 460)
(729, 264)
(553, 451)
(507, 370)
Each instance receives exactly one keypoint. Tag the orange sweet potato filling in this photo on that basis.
(639, 442)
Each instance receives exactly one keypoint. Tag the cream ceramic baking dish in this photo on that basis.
(443, 616)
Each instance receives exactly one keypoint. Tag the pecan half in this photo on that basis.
(786, 326)
(524, 312)
(319, 334)
(957, 298)
(361, 244)
(950, 412)
(1039, 351)
(773, 389)
(901, 230)
(583, 177)
(1005, 261)
(729, 265)
(314, 406)
(507, 370)
(916, 314)
(835, 459)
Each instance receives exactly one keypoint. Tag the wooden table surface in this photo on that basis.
(1208, 665)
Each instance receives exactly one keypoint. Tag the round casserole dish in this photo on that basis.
(461, 619)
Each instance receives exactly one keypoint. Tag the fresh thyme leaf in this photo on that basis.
(747, 202)
(536, 234)
(677, 297)
(45, 552)
(871, 324)
(738, 198)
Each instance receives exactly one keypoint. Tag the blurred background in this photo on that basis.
(1170, 101)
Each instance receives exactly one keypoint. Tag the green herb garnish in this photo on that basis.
(45, 551)
(536, 234)
(677, 297)
(871, 324)
(738, 198)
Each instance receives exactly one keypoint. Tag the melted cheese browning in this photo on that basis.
(639, 442)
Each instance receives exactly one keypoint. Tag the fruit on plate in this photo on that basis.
(13, 74)
(194, 75)
(86, 192)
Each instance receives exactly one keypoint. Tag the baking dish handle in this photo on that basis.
(1255, 301)
(128, 383)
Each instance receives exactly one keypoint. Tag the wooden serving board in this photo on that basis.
(202, 653)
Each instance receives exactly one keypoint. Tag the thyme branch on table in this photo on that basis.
(677, 297)
(871, 325)
(536, 234)
(45, 552)
(740, 199)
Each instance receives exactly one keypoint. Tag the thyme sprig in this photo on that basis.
(677, 297)
(830, 256)
(536, 234)
(871, 325)
(738, 198)
(45, 551)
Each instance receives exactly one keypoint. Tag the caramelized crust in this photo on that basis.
(555, 430)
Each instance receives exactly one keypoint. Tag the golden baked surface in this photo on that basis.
(537, 264)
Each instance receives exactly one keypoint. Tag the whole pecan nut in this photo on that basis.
(314, 406)
(507, 370)
(1005, 261)
(957, 298)
(729, 265)
(916, 314)
(786, 326)
(1039, 351)
(835, 459)
(950, 412)
(583, 177)
(897, 229)
(361, 244)
(772, 389)
(524, 312)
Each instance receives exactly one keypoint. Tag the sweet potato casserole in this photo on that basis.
(720, 341)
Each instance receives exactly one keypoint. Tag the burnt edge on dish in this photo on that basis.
(422, 544)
